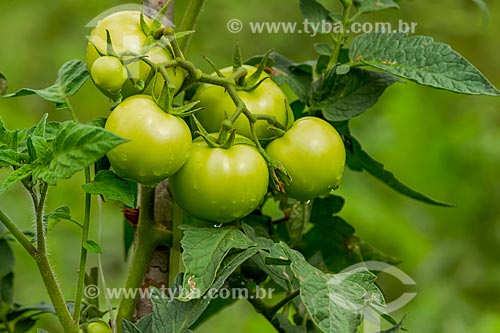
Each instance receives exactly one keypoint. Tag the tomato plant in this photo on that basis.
(317, 142)
(159, 143)
(220, 185)
(250, 203)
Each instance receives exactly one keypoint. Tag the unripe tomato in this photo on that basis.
(108, 74)
(98, 327)
(313, 153)
(159, 142)
(220, 185)
(126, 35)
(266, 99)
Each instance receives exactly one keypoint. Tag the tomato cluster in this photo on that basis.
(128, 43)
(222, 175)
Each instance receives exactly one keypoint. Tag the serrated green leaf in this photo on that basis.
(204, 251)
(36, 142)
(173, 316)
(342, 69)
(8, 157)
(75, 147)
(59, 214)
(10, 139)
(369, 6)
(315, 13)
(359, 160)
(129, 327)
(145, 323)
(38, 148)
(297, 76)
(72, 75)
(39, 129)
(280, 274)
(323, 49)
(420, 59)
(92, 246)
(3, 84)
(111, 187)
(19, 174)
(342, 97)
(334, 301)
(51, 129)
(51, 94)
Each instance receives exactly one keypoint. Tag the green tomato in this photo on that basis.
(159, 142)
(220, 185)
(98, 327)
(127, 36)
(108, 74)
(313, 153)
(266, 99)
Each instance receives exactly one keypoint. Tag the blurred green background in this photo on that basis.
(444, 144)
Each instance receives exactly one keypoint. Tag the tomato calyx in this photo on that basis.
(157, 23)
(252, 82)
(279, 176)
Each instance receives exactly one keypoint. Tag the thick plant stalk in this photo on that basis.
(157, 272)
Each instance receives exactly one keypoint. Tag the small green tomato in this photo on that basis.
(108, 74)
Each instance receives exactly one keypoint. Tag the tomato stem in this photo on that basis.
(148, 237)
(45, 268)
(271, 311)
(17, 233)
(189, 19)
(83, 252)
(341, 36)
(175, 250)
